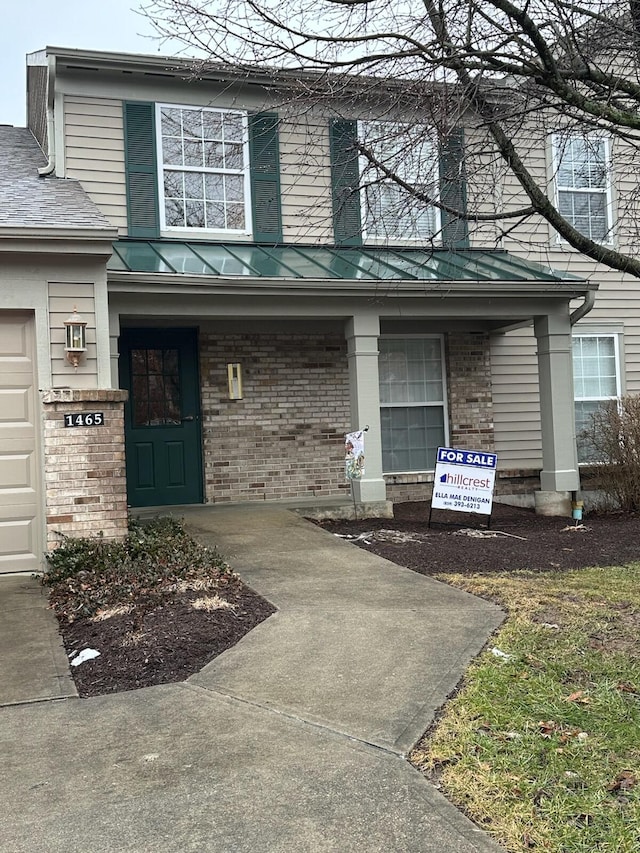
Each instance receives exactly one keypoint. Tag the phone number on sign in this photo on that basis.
(475, 505)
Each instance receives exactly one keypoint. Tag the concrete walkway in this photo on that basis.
(291, 741)
(33, 662)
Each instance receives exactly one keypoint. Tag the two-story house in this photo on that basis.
(191, 282)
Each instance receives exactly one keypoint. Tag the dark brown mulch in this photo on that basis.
(546, 544)
(169, 643)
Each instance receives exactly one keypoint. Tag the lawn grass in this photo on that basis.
(542, 748)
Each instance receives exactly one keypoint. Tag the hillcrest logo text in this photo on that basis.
(461, 480)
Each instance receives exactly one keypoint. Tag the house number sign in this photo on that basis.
(84, 419)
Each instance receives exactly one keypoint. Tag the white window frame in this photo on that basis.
(615, 336)
(557, 140)
(175, 230)
(366, 167)
(442, 404)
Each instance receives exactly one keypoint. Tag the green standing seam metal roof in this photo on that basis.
(317, 262)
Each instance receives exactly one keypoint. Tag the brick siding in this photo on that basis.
(285, 438)
(85, 484)
(469, 387)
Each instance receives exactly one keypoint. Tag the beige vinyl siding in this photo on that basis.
(63, 298)
(94, 152)
(305, 180)
(516, 400)
(514, 362)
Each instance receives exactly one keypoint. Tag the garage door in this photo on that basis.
(20, 524)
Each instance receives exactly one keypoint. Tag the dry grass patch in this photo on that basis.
(110, 612)
(212, 602)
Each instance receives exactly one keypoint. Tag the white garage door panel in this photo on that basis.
(14, 405)
(17, 544)
(15, 338)
(20, 522)
(16, 472)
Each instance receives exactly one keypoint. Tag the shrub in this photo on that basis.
(85, 575)
(612, 442)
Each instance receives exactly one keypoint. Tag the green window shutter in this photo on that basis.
(141, 169)
(265, 178)
(453, 190)
(345, 181)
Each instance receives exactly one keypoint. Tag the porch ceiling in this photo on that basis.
(364, 264)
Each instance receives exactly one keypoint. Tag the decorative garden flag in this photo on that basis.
(354, 455)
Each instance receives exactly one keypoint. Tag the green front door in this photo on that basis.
(159, 368)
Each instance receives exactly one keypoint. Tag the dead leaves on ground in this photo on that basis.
(624, 781)
(579, 697)
(550, 727)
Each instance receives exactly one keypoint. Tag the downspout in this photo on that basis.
(577, 506)
(49, 169)
(581, 310)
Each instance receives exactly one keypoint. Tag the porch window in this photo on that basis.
(155, 387)
(410, 152)
(582, 177)
(204, 169)
(595, 377)
(412, 398)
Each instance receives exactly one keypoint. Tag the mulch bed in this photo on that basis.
(546, 543)
(171, 642)
(166, 644)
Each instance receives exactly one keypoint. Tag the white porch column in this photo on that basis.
(560, 474)
(362, 332)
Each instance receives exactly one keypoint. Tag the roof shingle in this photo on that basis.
(29, 201)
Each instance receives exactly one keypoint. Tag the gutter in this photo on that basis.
(49, 169)
(389, 287)
(107, 233)
(581, 310)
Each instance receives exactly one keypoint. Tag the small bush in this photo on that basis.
(612, 442)
(86, 575)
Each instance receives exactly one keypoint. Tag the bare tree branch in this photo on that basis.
(513, 71)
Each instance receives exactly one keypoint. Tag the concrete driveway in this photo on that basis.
(294, 740)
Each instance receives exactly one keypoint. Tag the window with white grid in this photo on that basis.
(582, 179)
(204, 169)
(596, 378)
(389, 211)
(412, 403)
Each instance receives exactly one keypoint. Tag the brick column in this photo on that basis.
(85, 478)
(470, 398)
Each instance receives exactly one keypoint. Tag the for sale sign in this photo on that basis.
(464, 480)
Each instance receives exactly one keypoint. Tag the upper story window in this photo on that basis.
(203, 159)
(582, 181)
(389, 211)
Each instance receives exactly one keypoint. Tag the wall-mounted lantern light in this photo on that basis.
(234, 377)
(75, 338)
